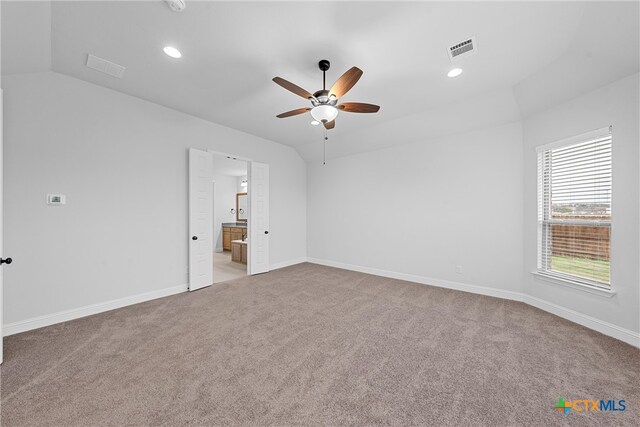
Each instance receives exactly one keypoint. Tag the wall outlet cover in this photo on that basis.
(56, 199)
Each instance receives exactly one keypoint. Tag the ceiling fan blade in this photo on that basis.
(293, 113)
(346, 82)
(292, 88)
(330, 125)
(358, 107)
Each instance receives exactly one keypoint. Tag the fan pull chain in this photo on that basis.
(324, 148)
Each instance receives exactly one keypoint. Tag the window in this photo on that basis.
(574, 209)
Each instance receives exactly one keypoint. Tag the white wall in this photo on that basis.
(421, 209)
(239, 186)
(615, 104)
(224, 199)
(122, 163)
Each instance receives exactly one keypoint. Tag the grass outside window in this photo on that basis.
(592, 269)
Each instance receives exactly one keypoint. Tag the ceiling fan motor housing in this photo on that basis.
(322, 97)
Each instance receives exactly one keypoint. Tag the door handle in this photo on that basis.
(266, 232)
(5, 261)
(194, 238)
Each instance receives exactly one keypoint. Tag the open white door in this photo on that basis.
(200, 219)
(258, 218)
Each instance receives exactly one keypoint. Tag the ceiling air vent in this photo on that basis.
(465, 48)
(105, 66)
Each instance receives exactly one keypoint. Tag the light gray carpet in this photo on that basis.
(312, 345)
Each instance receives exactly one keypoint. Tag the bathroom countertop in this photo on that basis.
(234, 224)
(242, 242)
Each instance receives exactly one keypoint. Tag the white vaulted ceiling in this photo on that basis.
(531, 55)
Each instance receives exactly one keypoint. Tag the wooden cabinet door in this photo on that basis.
(236, 235)
(236, 252)
(226, 240)
(244, 253)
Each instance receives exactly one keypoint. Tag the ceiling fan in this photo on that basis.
(324, 102)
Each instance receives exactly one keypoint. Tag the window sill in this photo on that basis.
(608, 293)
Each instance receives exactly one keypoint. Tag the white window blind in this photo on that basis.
(574, 208)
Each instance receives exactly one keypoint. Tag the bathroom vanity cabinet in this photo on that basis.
(239, 251)
(231, 233)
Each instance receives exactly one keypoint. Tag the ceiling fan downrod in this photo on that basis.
(324, 66)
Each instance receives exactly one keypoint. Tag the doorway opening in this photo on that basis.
(230, 218)
(249, 234)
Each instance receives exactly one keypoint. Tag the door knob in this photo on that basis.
(194, 238)
(266, 232)
(5, 261)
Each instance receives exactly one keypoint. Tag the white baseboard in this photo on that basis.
(287, 263)
(64, 316)
(76, 313)
(601, 326)
(482, 290)
(609, 329)
(626, 335)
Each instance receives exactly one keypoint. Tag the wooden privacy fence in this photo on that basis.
(581, 241)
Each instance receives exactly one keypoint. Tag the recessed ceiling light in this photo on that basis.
(315, 123)
(455, 72)
(172, 52)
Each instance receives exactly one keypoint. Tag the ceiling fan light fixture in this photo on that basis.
(315, 123)
(324, 113)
